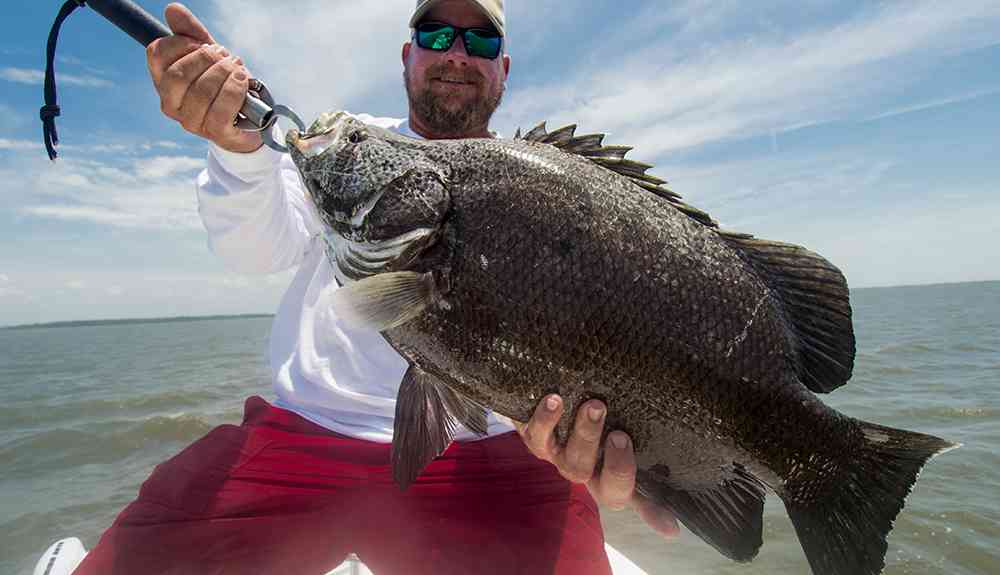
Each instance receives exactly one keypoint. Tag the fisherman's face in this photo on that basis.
(451, 93)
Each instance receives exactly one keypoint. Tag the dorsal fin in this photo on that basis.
(591, 147)
(816, 300)
(813, 291)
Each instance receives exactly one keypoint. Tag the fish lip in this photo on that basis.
(323, 134)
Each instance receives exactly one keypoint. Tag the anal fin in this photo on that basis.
(727, 516)
(427, 415)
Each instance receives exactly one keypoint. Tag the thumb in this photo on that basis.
(183, 23)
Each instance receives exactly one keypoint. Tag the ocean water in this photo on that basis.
(87, 412)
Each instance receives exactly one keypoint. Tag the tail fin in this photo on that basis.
(843, 528)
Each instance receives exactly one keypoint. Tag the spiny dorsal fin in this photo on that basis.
(816, 300)
(591, 147)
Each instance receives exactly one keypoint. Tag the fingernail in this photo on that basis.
(240, 76)
(595, 413)
(552, 403)
(221, 50)
(619, 440)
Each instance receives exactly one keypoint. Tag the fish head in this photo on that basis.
(382, 199)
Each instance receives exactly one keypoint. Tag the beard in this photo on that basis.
(445, 112)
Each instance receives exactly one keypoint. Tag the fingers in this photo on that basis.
(189, 35)
(164, 52)
(203, 90)
(183, 23)
(200, 85)
(218, 123)
(659, 518)
(615, 485)
(181, 76)
(584, 444)
(203, 94)
(539, 433)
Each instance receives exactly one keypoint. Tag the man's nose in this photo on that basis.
(457, 52)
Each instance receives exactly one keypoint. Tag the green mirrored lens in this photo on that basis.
(482, 44)
(439, 39)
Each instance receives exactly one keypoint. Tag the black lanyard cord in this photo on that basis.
(50, 110)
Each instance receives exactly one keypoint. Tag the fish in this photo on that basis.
(504, 270)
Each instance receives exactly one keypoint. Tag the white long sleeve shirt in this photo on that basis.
(260, 220)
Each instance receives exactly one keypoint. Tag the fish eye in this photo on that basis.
(357, 136)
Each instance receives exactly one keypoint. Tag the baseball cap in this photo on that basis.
(493, 9)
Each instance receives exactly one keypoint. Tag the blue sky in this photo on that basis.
(864, 131)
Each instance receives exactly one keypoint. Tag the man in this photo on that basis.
(302, 483)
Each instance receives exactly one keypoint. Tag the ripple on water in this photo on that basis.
(98, 407)
(99, 442)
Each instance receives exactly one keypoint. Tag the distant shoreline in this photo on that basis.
(180, 319)
(133, 321)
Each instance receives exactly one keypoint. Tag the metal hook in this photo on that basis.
(284, 112)
(260, 114)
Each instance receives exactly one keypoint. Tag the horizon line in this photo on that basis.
(250, 315)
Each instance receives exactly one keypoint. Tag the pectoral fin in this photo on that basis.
(427, 415)
(384, 301)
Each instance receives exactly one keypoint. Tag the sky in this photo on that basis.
(865, 131)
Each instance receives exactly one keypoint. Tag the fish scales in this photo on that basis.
(504, 270)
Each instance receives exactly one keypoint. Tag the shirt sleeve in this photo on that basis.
(255, 210)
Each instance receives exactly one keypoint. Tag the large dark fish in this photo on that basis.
(504, 270)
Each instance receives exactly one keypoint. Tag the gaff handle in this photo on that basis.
(131, 19)
(144, 28)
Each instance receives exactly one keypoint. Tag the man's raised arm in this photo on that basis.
(250, 198)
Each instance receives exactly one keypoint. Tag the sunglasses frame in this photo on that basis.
(459, 32)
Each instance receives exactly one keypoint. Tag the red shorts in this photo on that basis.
(279, 494)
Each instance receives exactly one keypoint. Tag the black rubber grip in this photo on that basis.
(131, 18)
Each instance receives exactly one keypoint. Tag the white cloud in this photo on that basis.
(163, 144)
(76, 284)
(4, 279)
(160, 167)
(919, 107)
(37, 77)
(6, 144)
(149, 193)
(6, 291)
(119, 149)
(322, 54)
(672, 93)
(852, 207)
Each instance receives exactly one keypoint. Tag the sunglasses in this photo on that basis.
(479, 42)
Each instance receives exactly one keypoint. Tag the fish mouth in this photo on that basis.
(323, 134)
(355, 260)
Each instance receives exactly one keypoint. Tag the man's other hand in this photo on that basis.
(614, 486)
(200, 84)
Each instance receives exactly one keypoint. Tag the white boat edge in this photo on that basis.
(62, 557)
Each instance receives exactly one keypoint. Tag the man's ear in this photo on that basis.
(406, 52)
(506, 66)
